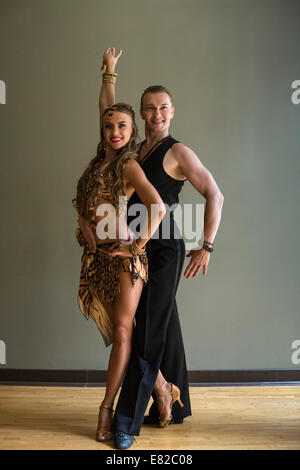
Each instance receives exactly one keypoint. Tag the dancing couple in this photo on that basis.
(132, 275)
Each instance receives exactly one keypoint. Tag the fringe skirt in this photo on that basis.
(99, 280)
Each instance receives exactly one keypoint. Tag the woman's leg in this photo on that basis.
(163, 401)
(159, 381)
(122, 313)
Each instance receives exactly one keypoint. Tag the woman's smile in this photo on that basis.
(117, 129)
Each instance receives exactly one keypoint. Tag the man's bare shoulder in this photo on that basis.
(181, 152)
(179, 148)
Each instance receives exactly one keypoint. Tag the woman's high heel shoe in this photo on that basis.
(106, 434)
(175, 393)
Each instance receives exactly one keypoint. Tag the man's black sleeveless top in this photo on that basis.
(167, 187)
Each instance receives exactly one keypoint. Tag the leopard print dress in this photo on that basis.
(99, 275)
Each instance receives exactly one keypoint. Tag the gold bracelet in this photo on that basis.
(110, 74)
(109, 80)
(136, 249)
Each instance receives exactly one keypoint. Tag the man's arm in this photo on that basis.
(203, 181)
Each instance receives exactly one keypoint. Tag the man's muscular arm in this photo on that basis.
(203, 181)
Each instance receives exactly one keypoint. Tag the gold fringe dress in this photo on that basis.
(99, 276)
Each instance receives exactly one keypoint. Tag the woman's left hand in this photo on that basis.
(110, 59)
(121, 248)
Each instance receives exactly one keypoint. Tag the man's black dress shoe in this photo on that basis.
(123, 440)
(154, 420)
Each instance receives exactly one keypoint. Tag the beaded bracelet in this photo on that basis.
(207, 248)
(136, 250)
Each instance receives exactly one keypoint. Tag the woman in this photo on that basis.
(113, 268)
(157, 307)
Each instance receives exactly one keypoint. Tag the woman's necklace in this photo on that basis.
(98, 171)
(95, 173)
(102, 172)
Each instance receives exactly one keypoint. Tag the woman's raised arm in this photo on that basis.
(107, 91)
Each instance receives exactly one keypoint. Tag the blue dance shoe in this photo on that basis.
(123, 440)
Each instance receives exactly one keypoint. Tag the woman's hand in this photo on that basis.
(199, 258)
(110, 60)
(122, 248)
(88, 230)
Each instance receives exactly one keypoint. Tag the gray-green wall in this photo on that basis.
(229, 65)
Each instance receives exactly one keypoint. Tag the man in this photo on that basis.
(158, 351)
(157, 360)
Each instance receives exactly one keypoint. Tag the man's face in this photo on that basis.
(157, 111)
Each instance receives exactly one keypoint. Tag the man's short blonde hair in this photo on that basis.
(156, 89)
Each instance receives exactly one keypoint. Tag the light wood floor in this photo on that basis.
(223, 418)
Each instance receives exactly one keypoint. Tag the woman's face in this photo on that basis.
(117, 129)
